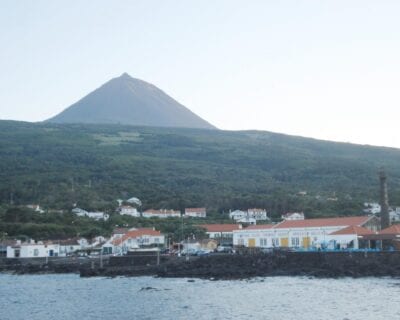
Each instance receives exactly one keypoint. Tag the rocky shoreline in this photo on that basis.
(225, 267)
(229, 266)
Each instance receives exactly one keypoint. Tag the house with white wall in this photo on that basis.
(218, 231)
(258, 214)
(303, 233)
(372, 207)
(32, 250)
(196, 212)
(70, 246)
(128, 211)
(96, 215)
(134, 238)
(162, 213)
(347, 238)
(293, 216)
(237, 214)
(247, 220)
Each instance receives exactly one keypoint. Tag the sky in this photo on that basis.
(323, 69)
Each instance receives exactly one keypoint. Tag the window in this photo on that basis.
(295, 242)
(35, 252)
(156, 240)
(275, 242)
(241, 242)
(263, 242)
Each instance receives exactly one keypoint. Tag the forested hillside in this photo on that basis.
(58, 165)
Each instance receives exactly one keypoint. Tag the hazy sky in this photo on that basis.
(323, 69)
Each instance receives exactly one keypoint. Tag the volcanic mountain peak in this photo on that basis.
(126, 100)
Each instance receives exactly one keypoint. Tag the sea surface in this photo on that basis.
(69, 297)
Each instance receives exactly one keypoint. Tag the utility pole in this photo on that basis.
(180, 245)
(384, 200)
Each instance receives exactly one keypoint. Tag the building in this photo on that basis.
(193, 245)
(119, 233)
(388, 238)
(257, 214)
(3, 246)
(237, 215)
(134, 238)
(32, 250)
(97, 215)
(162, 213)
(221, 232)
(308, 233)
(196, 212)
(252, 236)
(394, 215)
(249, 216)
(293, 216)
(71, 246)
(128, 211)
(247, 220)
(372, 207)
(347, 238)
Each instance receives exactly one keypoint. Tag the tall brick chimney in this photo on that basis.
(384, 201)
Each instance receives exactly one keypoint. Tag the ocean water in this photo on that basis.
(69, 297)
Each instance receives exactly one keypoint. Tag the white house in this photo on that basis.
(249, 215)
(293, 216)
(247, 220)
(80, 212)
(258, 214)
(346, 238)
(372, 207)
(216, 231)
(128, 211)
(237, 214)
(97, 215)
(162, 213)
(302, 233)
(196, 212)
(70, 246)
(32, 250)
(134, 238)
(394, 214)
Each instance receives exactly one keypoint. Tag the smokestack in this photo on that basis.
(385, 221)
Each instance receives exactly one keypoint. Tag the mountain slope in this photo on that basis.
(93, 165)
(125, 100)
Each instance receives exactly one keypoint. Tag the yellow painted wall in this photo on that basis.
(306, 242)
(252, 242)
(284, 242)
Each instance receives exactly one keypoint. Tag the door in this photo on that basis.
(285, 242)
(306, 242)
(252, 242)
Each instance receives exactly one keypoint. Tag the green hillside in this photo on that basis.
(58, 165)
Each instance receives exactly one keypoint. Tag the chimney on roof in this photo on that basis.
(384, 200)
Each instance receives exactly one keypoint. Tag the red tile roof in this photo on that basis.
(394, 229)
(136, 234)
(220, 227)
(325, 222)
(353, 230)
(259, 227)
(120, 231)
